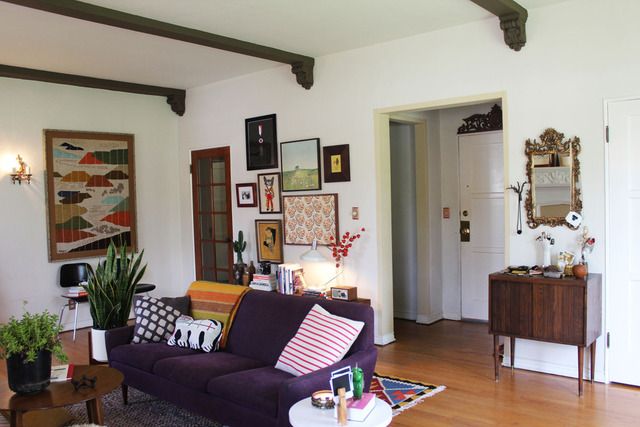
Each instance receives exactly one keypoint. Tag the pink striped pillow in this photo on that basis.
(322, 340)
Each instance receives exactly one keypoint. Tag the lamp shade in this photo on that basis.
(313, 254)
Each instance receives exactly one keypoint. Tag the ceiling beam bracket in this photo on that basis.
(304, 73)
(513, 18)
(175, 97)
(513, 26)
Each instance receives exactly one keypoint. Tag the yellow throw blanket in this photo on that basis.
(219, 301)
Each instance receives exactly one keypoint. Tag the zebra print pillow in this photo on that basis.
(197, 334)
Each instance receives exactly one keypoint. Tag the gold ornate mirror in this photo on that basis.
(553, 171)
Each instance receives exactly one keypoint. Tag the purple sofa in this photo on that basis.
(239, 386)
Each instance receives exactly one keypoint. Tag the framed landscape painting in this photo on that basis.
(261, 142)
(90, 192)
(269, 193)
(309, 217)
(300, 162)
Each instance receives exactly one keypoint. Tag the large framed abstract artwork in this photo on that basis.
(90, 192)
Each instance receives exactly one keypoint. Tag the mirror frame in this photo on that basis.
(552, 141)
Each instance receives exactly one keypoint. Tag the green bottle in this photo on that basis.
(358, 382)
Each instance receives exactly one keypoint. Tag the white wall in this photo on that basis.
(403, 201)
(26, 108)
(578, 53)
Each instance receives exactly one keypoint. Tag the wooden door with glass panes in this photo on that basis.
(211, 187)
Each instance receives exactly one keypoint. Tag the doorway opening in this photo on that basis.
(419, 205)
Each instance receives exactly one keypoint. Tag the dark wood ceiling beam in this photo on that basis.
(301, 66)
(513, 18)
(175, 97)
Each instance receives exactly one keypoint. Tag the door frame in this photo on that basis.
(382, 297)
(607, 228)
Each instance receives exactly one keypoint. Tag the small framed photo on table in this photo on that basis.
(261, 142)
(246, 195)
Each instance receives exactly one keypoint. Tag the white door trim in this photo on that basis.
(382, 296)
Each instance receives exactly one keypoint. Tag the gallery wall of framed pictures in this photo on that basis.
(303, 165)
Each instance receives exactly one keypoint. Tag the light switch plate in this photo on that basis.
(355, 213)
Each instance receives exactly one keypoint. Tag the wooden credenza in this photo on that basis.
(563, 311)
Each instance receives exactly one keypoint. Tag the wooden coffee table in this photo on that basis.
(63, 394)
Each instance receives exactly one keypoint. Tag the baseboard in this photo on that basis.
(551, 368)
(451, 316)
(427, 320)
(406, 315)
(384, 339)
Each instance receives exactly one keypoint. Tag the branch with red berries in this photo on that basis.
(340, 249)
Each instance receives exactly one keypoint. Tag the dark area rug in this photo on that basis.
(143, 410)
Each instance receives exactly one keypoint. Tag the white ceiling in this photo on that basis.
(34, 39)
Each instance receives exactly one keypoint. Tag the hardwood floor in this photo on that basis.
(459, 355)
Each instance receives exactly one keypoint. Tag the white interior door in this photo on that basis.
(624, 241)
(482, 205)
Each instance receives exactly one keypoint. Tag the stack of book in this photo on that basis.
(290, 279)
(264, 282)
(76, 291)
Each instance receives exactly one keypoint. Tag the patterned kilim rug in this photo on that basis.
(401, 393)
(144, 410)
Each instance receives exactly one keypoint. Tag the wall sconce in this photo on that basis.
(23, 173)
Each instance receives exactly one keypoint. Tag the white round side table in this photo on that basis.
(303, 414)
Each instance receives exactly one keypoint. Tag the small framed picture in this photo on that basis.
(269, 193)
(336, 163)
(261, 142)
(246, 195)
(301, 165)
(269, 240)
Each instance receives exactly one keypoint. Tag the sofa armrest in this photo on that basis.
(298, 388)
(118, 336)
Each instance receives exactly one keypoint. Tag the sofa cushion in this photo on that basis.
(144, 356)
(155, 320)
(195, 371)
(322, 340)
(255, 389)
(198, 334)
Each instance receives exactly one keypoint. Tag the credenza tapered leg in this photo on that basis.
(592, 347)
(580, 368)
(496, 356)
(513, 351)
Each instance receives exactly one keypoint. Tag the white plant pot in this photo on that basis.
(98, 345)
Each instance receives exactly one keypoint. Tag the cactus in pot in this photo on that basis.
(239, 246)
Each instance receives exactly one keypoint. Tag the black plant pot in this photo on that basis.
(31, 377)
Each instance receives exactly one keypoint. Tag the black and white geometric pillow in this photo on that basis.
(155, 320)
(197, 334)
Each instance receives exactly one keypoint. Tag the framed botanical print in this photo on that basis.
(246, 195)
(269, 240)
(269, 193)
(261, 142)
(336, 163)
(90, 192)
(300, 165)
(309, 217)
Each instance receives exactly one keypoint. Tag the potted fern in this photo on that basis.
(28, 344)
(111, 287)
